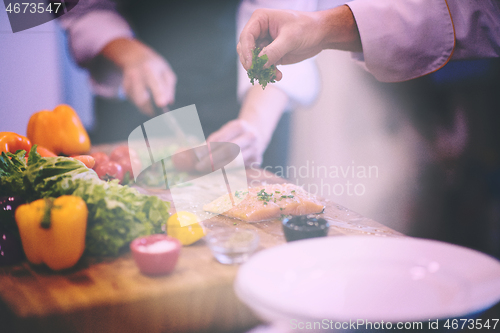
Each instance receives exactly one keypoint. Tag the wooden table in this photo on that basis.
(111, 295)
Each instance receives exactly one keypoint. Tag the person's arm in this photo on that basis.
(419, 37)
(293, 36)
(102, 41)
(400, 39)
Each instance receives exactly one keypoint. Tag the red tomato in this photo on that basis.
(129, 164)
(100, 158)
(121, 152)
(110, 170)
(184, 160)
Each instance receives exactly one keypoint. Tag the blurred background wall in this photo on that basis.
(351, 126)
(37, 73)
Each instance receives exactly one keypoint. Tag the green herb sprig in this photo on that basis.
(258, 72)
(264, 196)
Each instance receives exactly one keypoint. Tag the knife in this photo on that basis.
(179, 135)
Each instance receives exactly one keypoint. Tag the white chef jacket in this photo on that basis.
(405, 39)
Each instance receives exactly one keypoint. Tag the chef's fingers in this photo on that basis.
(170, 82)
(161, 80)
(225, 134)
(223, 153)
(155, 84)
(277, 49)
(236, 131)
(245, 140)
(239, 49)
(136, 89)
(279, 75)
(229, 131)
(257, 27)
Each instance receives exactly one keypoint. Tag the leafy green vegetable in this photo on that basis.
(12, 167)
(117, 214)
(258, 72)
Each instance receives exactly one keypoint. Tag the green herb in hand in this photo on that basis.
(258, 72)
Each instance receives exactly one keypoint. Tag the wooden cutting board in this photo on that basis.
(111, 295)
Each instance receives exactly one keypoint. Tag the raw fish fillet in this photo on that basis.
(266, 203)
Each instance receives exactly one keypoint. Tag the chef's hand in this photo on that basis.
(252, 131)
(293, 36)
(145, 72)
(242, 133)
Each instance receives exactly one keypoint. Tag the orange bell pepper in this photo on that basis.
(60, 131)
(12, 142)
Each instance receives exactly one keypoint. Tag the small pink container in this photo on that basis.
(155, 254)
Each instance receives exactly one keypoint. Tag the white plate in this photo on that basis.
(370, 278)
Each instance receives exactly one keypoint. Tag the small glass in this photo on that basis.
(232, 246)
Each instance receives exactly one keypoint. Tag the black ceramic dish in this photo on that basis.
(304, 226)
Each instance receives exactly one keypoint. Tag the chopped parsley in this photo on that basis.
(240, 194)
(264, 196)
(258, 72)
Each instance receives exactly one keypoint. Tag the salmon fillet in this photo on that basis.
(266, 202)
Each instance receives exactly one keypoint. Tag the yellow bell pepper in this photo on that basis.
(189, 231)
(53, 230)
(60, 131)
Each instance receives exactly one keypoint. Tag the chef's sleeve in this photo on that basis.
(406, 39)
(90, 26)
